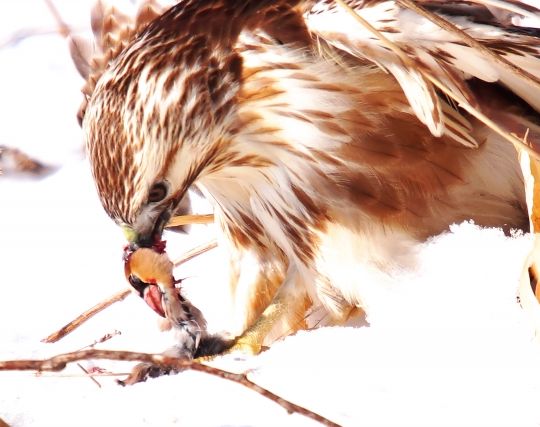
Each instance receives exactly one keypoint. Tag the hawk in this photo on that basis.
(331, 138)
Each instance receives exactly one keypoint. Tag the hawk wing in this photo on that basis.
(410, 40)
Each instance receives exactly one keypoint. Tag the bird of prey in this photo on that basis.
(330, 137)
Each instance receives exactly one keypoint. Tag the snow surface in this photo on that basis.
(447, 345)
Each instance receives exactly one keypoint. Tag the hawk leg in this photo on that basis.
(250, 342)
(287, 308)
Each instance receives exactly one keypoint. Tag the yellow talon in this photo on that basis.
(251, 341)
(247, 344)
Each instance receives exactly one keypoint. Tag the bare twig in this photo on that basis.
(104, 338)
(59, 362)
(190, 219)
(195, 252)
(26, 33)
(88, 375)
(68, 328)
(92, 374)
(63, 28)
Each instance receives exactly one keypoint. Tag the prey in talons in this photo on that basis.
(150, 273)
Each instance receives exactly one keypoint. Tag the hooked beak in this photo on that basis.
(147, 238)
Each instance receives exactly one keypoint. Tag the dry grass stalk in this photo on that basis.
(534, 198)
(104, 338)
(25, 33)
(190, 219)
(195, 252)
(462, 102)
(74, 324)
(59, 362)
(63, 28)
(529, 288)
(83, 375)
(89, 375)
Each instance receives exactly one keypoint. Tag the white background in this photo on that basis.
(447, 346)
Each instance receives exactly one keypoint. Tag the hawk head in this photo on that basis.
(158, 118)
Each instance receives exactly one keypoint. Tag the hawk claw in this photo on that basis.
(246, 344)
(251, 341)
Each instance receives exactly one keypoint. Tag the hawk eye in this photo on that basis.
(157, 192)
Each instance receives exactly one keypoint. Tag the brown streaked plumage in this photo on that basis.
(323, 153)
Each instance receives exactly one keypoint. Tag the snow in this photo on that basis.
(447, 345)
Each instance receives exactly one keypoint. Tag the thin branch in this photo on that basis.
(25, 33)
(63, 28)
(190, 219)
(88, 374)
(104, 338)
(74, 324)
(462, 102)
(195, 252)
(59, 362)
